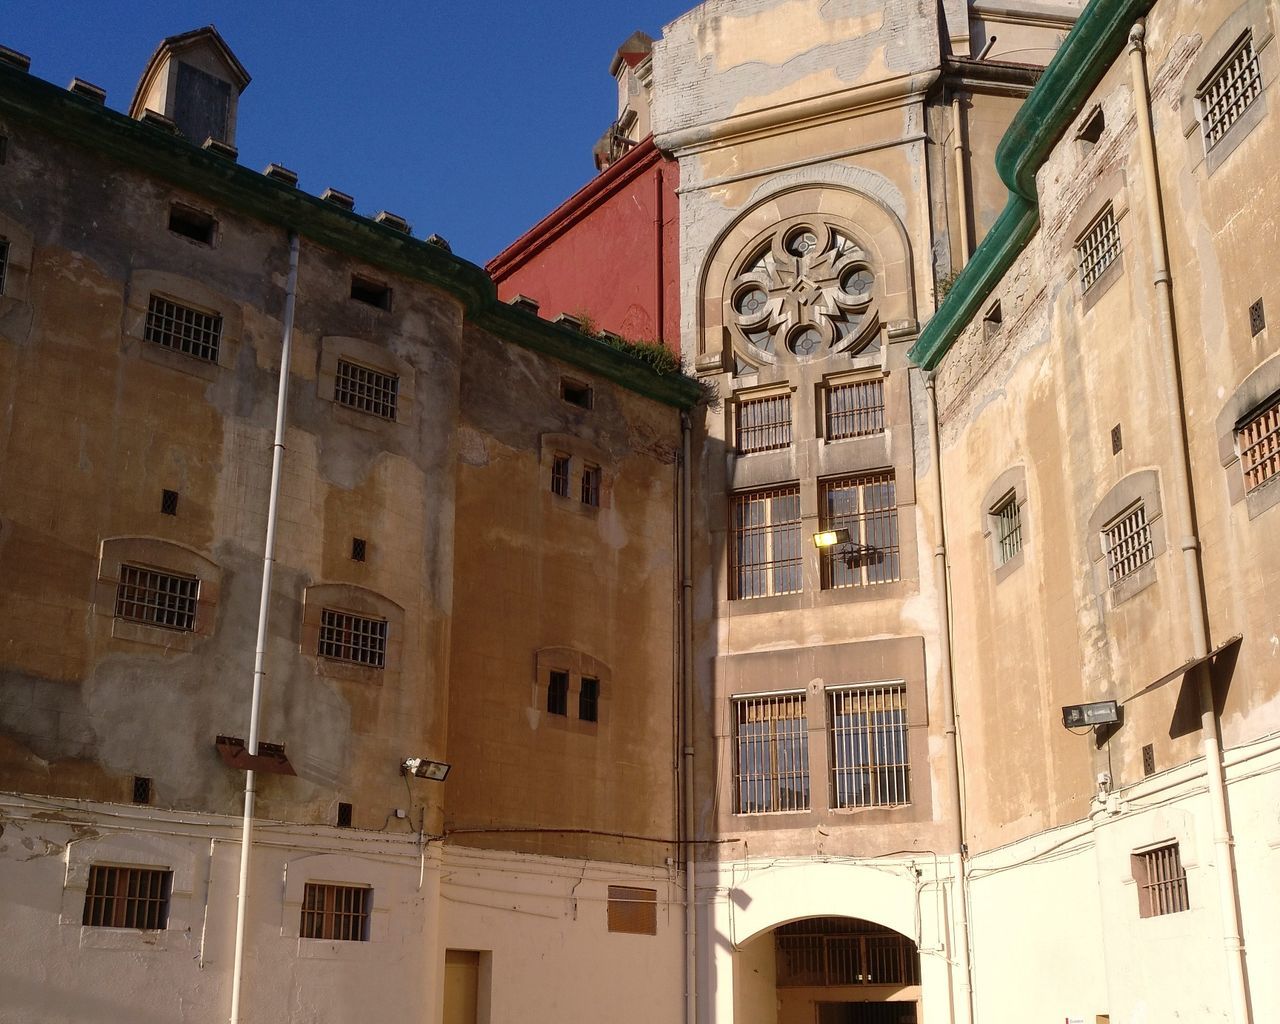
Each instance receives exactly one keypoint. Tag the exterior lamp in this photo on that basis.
(830, 538)
(424, 768)
(853, 554)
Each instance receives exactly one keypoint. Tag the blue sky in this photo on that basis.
(470, 120)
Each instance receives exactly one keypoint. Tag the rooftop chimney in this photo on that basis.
(194, 80)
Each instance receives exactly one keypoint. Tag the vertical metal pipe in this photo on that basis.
(688, 817)
(264, 608)
(1197, 603)
(962, 176)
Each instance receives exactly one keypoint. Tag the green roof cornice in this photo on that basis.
(1093, 43)
(171, 158)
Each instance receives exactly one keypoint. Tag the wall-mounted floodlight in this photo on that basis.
(853, 553)
(830, 538)
(1102, 712)
(424, 768)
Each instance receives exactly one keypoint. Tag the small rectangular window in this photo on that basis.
(992, 321)
(372, 293)
(560, 476)
(855, 409)
(365, 389)
(1258, 439)
(763, 424)
(1162, 882)
(589, 700)
(353, 638)
(771, 753)
(1092, 129)
(168, 503)
(4, 262)
(124, 897)
(1229, 91)
(865, 505)
(192, 332)
(338, 913)
(344, 815)
(157, 598)
(558, 693)
(1098, 247)
(870, 761)
(633, 911)
(764, 543)
(591, 485)
(359, 548)
(576, 394)
(1126, 540)
(141, 789)
(193, 224)
(1008, 523)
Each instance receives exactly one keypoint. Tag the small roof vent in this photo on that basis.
(524, 302)
(281, 173)
(221, 148)
(567, 320)
(392, 220)
(15, 59)
(94, 93)
(158, 120)
(332, 195)
(440, 242)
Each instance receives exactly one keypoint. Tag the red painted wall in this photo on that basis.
(611, 251)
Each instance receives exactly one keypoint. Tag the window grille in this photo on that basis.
(157, 598)
(591, 485)
(1098, 247)
(1127, 543)
(870, 762)
(866, 506)
(843, 951)
(633, 911)
(560, 476)
(764, 544)
(1259, 441)
(192, 332)
(589, 700)
(764, 424)
(771, 753)
(353, 638)
(856, 409)
(1008, 523)
(335, 912)
(1229, 90)
(371, 391)
(558, 693)
(1162, 882)
(119, 897)
(4, 262)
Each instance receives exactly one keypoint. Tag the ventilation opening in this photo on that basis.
(141, 789)
(168, 503)
(1091, 131)
(370, 292)
(1149, 759)
(1117, 440)
(1257, 317)
(344, 815)
(992, 320)
(576, 394)
(192, 224)
(357, 549)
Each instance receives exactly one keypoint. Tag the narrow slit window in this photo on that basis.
(371, 293)
(558, 693)
(771, 753)
(193, 224)
(1162, 881)
(764, 543)
(339, 913)
(589, 700)
(127, 897)
(141, 789)
(353, 638)
(1008, 523)
(560, 476)
(168, 503)
(1231, 88)
(366, 389)
(591, 485)
(1098, 247)
(855, 409)
(1126, 541)
(344, 815)
(764, 424)
(157, 598)
(193, 332)
(4, 262)
(359, 549)
(870, 763)
(1258, 440)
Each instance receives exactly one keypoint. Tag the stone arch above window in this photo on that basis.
(1137, 490)
(124, 561)
(574, 671)
(193, 296)
(360, 399)
(1004, 521)
(360, 632)
(802, 276)
(1250, 404)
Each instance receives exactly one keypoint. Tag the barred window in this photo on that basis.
(866, 506)
(844, 951)
(192, 332)
(870, 764)
(126, 897)
(1008, 524)
(560, 476)
(1229, 90)
(1162, 882)
(1098, 247)
(855, 409)
(157, 598)
(1126, 541)
(764, 424)
(591, 485)
(371, 391)
(1258, 439)
(764, 543)
(336, 912)
(771, 753)
(589, 700)
(558, 693)
(353, 638)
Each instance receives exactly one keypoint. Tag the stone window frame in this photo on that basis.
(581, 454)
(1143, 486)
(15, 281)
(357, 600)
(335, 348)
(164, 556)
(137, 849)
(1259, 387)
(186, 291)
(1111, 189)
(1012, 481)
(750, 393)
(198, 207)
(346, 870)
(1252, 16)
(578, 665)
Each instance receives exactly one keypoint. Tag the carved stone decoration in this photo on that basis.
(803, 291)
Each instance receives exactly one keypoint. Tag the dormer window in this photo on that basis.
(195, 81)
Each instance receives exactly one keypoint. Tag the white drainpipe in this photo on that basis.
(688, 817)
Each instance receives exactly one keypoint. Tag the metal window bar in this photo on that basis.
(591, 485)
(855, 410)
(335, 912)
(353, 638)
(1127, 543)
(558, 693)
(867, 744)
(764, 424)
(843, 951)
(1098, 247)
(1230, 90)
(589, 700)
(183, 329)
(1163, 882)
(764, 543)
(366, 390)
(120, 897)
(866, 506)
(157, 598)
(560, 476)
(1259, 442)
(771, 754)
(1008, 519)
(4, 262)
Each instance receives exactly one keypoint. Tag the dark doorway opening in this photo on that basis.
(866, 1013)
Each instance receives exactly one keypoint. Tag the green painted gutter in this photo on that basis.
(169, 157)
(1091, 46)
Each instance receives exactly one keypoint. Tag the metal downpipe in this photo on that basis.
(688, 820)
